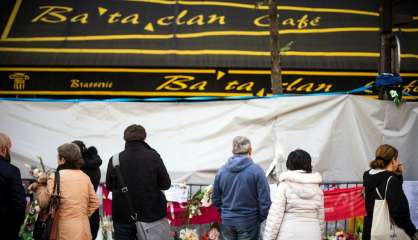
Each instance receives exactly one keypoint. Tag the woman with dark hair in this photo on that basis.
(78, 199)
(387, 165)
(297, 210)
(91, 167)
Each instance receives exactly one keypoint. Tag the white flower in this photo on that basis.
(393, 93)
(207, 197)
(106, 223)
(37, 208)
(36, 172)
(208, 188)
(188, 234)
(206, 201)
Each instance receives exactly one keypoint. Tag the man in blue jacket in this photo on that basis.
(242, 194)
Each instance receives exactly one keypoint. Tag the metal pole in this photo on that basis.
(276, 69)
(385, 63)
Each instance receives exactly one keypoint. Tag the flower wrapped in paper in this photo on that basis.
(188, 234)
(202, 198)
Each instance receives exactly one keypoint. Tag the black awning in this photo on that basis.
(327, 35)
(192, 48)
(176, 82)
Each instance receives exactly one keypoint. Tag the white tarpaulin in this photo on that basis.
(194, 138)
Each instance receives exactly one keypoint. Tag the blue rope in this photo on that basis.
(179, 99)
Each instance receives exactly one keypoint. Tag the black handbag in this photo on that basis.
(46, 217)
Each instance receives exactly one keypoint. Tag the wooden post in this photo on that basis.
(276, 69)
(385, 61)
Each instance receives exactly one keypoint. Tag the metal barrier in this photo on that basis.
(330, 227)
(333, 226)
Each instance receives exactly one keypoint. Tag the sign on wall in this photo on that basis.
(225, 33)
(145, 82)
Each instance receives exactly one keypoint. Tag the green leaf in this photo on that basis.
(287, 47)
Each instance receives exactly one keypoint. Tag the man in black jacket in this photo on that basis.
(12, 194)
(145, 176)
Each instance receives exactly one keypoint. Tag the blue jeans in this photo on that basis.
(240, 233)
(124, 231)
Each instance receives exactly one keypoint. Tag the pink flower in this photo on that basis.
(213, 234)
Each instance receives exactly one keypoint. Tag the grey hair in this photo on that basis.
(241, 145)
(71, 154)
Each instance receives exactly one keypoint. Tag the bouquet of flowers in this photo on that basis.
(33, 209)
(35, 171)
(213, 233)
(207, 196)
(188, 234)
(341, 235)
(202, 198)
(107, 227)
(26, 231)
(396, 98)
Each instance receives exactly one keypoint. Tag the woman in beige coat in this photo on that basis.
(78, 199)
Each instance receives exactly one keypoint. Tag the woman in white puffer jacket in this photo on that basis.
(297, 210)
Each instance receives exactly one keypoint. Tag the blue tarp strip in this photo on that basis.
(178, 99)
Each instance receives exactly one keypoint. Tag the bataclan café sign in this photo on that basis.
(146, 48)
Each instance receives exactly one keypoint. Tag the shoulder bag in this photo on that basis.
(47, 216)
(140, 232)
(383, 227)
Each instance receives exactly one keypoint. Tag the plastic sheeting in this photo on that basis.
(194, 138)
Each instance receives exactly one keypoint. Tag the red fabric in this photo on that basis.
(343, 203)
(177, 215)
(339, 204)
(176, 212)
(107, 203)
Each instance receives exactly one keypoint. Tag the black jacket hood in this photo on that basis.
(378, 178)
(91, 159)
(373, 180)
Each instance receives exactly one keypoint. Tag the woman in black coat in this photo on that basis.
(91, 167)
(387, 164)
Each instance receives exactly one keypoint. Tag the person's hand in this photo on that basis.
(43, 178)
(399, 170)
(33, 187)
